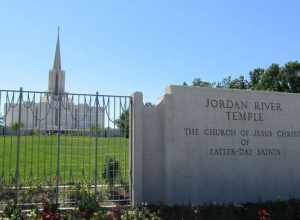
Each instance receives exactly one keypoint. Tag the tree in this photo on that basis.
(284, 78)
(239, 83)
(228, 82)
(148, 104)
(292, 72)
(1, 121)
(16, 126)
(201, 83)
(2, 132)
(255, 78)
(123, 123)
(276, 78)
(96, 131)
(273, 79)
(225, 83)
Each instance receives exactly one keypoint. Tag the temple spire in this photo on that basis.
(56, 82)
(57, 60)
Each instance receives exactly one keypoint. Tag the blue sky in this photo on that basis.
(118, 47)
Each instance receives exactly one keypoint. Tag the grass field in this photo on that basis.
(77, 163)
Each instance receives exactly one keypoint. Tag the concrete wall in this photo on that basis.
(181, 156)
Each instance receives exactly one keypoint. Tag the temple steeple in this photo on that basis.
(56, 82)
(57, 59)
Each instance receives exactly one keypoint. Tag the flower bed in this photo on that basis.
(279, 210)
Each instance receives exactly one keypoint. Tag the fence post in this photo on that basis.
(130, 151)
(18, 143)
(137, 192)
(96, 146)
(58, 148)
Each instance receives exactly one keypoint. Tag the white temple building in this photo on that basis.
(45, 111)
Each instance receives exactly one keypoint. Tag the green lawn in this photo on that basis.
(38, 158)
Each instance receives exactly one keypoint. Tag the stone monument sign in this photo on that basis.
(216, 145)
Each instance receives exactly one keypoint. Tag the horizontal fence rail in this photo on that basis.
(55, 144)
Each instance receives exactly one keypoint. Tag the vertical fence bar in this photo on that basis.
(18, 143)
(12, 105)
(90, 139)
(96, 147)
(58, 148)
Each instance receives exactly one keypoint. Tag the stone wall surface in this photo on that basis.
(216, 145)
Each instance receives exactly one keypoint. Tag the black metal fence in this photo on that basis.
(53, 143)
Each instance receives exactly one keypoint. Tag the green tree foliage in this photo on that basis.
(123, 123)
(273, 79)
(255, 78)
(1, 121)
(16, 126)
(149, 104)
(277, 78)
(238, 83)
(292, 71)
(201, 83)
(284, 78)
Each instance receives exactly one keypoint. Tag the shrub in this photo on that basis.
(85, 201)
(13, 211)
(141, 213)
(111, 170)
(50, 210)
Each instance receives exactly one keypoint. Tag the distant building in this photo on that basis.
(44, 114)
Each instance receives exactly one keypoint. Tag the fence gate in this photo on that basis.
(52, 145)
